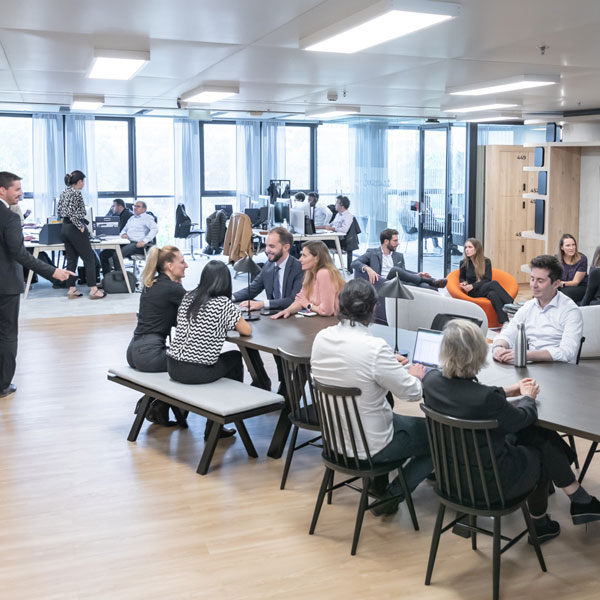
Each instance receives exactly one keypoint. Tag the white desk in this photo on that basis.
(322, 236)
(110, 243)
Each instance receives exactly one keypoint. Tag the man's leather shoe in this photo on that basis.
(438, 283)
(11, 389)
(585, 513)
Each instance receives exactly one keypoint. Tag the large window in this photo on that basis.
(154, 156)
(298, 156)
(219, 159)
(333, 161)
(113, 165)
(16, 149)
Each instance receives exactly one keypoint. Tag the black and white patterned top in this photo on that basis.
(201, 340)
(72, 206)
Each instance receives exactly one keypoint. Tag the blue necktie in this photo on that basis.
(276, 287)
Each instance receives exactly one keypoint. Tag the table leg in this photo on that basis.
(120, 257)
(339, 251)
(36, 252)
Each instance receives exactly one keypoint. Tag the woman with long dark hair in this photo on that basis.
(75, 235)
(592, 291)
(476, 279)
(575, 264)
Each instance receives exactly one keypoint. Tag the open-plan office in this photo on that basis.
(440, 120)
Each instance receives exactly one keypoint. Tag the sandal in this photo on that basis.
(97, 295)
(72, 295)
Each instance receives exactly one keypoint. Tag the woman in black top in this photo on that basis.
(76, 238)
(476, 279)
(592, 292)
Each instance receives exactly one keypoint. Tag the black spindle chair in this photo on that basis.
(468, 481)
(303, 413)
(346, 450)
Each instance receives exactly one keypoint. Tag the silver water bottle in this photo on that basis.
(521, 346)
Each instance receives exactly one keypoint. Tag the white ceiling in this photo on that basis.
(46, 49)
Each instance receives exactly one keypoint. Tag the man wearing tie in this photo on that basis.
(281, 279)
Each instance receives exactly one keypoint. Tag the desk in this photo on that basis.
(110, 243)
(322, 236)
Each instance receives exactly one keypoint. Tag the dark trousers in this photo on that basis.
(496, 294)
(228, 365)
(106, 256)
(410, 277)
(575, 292)
(9, 333)
(77, 244)
(263, 381)
(148, 353)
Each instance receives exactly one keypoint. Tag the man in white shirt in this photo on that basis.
(553, 322)
(320, 215)
(342, 221)
(347, 355)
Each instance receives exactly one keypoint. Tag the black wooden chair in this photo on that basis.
(468, 481)
(442, 319)
(303, 413)
(345, 449)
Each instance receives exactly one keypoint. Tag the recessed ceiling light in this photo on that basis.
(87, 102)
(492, 118)
(117, 64)
(379, 23)
(520, 82)
(210, 93)
(467, 109)
(333, 112)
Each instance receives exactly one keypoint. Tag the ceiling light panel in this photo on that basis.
(117, 64)
(333, 112)
(520, 82)
(492, 118)
(467, 109)
(206, 94)
(382, 22)
(87, 102)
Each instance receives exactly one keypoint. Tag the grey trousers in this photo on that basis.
(148, 353)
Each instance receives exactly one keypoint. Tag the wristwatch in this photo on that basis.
(309, 306)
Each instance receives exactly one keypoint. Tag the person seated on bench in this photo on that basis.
(592, 291)
(204, 317)
(161, 296)
(574, 265)
(385, 262)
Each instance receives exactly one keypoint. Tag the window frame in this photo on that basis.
(203, 191)
(312, 165)
(28, 195)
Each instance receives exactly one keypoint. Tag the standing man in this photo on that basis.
(281, 279)
(13, 257)
(384, 262)
(118, 209)
(342, 221)
(320, 215)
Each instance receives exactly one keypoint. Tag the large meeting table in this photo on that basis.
(569, 399)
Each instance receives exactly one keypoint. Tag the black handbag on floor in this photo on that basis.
(114, 282)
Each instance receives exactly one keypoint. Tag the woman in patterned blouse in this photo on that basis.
(75, 235)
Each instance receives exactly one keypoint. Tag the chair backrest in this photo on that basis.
(183, 223)
(344, 440)
(440, 320)
(464, 460)
(296, 373)
(591, 331)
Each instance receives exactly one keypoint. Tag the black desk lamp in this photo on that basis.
(247, 265)
(394, 289)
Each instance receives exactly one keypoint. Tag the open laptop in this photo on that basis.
(427, 348)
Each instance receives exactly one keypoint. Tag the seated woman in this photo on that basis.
(161, 296)
(322, 283)
(592, 291)
(476, 279)
(531, 458)
(204, 317)
(574, 264)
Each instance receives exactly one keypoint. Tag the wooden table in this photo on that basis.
(110, 243)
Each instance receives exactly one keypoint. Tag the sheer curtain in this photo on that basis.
(186, 134)
(273, 153)
(369, 171)
(48, 162)
(81, 154)
(247, 159)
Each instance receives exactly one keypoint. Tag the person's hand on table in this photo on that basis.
(252, 304)
(124, 236)
(62, 274)
(373, 276)
(401, 359)
(27, 238)
(282, 313)
(504, 355)
(529, 387)
(417, 370)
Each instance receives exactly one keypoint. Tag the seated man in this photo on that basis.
(553, 322)
(299, 203)
(140, 230)
(320, 215)
(385, 262)
(342, 220)
(118, 209)
(347, 355)
(281, 279)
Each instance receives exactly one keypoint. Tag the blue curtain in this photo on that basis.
(81, 154)
(48, 162)
(187, 166)
(273, 153)
(247, 160)
(369, 172)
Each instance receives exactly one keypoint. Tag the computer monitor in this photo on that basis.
(226, 208)
(245, 201)
(89, 217)
(107, 226)
(427, 347)
(282, 211)
(297, 220)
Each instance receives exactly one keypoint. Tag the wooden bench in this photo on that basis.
(223, 401)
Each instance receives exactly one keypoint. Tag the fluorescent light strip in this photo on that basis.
(521, 82)
(207, 97)
(206, 94)
(333, 112)
(493, 118)
(87, 102)
(117, 64)
(479, 108)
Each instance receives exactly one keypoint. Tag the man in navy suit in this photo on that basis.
(384, 262)
(281, 279)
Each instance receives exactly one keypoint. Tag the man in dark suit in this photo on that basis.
(385, 262)
(281, 279)
(13, 257)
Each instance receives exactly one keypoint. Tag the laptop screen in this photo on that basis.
(427, 347)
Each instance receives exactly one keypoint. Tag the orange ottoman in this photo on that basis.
(506, 280)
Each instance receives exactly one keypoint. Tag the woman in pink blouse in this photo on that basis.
(322, 283)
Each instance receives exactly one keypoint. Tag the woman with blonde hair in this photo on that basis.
(322, 283)
(575, 265)
(476, 279)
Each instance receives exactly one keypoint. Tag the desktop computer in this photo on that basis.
(106, 226)
(281, 211)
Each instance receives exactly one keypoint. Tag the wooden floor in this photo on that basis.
(86, 514)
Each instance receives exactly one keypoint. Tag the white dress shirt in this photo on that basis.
(321, 215)
(280, 274)
(342, 221)
(387, 262)
(557, 327)
(141, 228)
(350, 356)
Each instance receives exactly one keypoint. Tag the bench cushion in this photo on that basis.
(222, 397)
